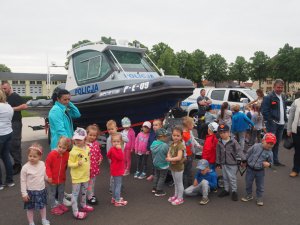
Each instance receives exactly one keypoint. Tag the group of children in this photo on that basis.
(173, 154)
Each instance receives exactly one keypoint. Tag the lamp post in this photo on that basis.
(53, 64)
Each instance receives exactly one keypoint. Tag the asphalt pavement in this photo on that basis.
(281, 198)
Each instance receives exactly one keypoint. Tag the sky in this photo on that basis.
(33, 31)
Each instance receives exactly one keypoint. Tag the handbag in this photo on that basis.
(288, 143)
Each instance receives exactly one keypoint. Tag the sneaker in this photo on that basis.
(93, 200)
(178, 201)
(87, 208)
(56, 211)
(1, 187)
(293, 174)
(234, 196)
(66, 202)
(63, 208)
(150, 178)
(223, 193)
(45, 222)
(153, 190)
(136, 175)
(121, 202)
(10, 184)
(172, 199)
(278, 164)
(142, 176)
(259, 202)
(114, 200)
(247, 198)
(160, 193)
(204, 201)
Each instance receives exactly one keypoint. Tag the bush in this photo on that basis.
(27, 98)
(41, 97)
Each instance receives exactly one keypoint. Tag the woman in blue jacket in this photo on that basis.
(240, 124)
(61, 115)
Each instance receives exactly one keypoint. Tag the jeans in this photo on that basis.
(255, 134)
(258, 176)
(60, 188)
(75, 194)
(241, 139)
(296, 139)
(187, 173)
(276, 129)
(141, 163)
(159, 178)
(15, 142)
(201, 188)
(177, 177)
(229, 177)
(116, 191)
(4, 153)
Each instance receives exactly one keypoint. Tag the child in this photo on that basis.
(205, 180)
(224, 115)
(141, 151)
(240, 124)
(227, 151)
(159, 149)
(257, 119)
(210, 145)
(129, 146)
(258, 157)
(152, 137)
(115, 154)
(34, 193)
(56, 165)
(176, 158)
(96, 159)
(79, 162)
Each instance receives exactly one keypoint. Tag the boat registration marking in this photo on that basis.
(136, 87)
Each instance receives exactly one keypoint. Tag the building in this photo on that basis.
(267, 85)
(32, 84)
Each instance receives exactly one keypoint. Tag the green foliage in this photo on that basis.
(259, 68)
(239, 70)
(41, 97)
(107, 40)
(26, 113)
(216, 69)
(4, 68)
(27, 98)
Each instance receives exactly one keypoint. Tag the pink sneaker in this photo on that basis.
(150, 178)
(114, 200)
(63, 208)
(172, 199)
(178, 201)
(121, 202)
(87, 208)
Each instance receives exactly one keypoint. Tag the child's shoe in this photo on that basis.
(150, 178)
(87, 208)
(247, 198)
(114, 200)
(136, 175)
(259, 202)
(45, 222)
(56, 211)
(172, 199)
(234, 196)
(63, 208)
(178, 201)
(121, 202)
(142, 176)
(223, 193)
(204, 201)
(93, 200)
(80, 215)
(160, 193)
(153, 190)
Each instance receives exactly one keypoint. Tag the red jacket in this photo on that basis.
(56, 166)
(117, 161)
(209, 151)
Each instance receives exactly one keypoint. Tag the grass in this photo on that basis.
(25, 113)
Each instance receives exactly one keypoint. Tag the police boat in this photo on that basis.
(111, 81)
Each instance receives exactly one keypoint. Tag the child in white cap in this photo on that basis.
(141, 151)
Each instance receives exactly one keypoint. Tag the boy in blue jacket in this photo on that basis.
(205, 180)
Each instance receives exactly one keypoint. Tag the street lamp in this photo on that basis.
(53, 64)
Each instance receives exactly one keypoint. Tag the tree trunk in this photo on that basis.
(215, 84)
(259, 83)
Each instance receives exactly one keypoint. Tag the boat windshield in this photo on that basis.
(132, 61)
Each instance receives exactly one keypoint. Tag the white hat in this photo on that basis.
(79, 134)
(126, 122)
(213, 126)
(147, 124)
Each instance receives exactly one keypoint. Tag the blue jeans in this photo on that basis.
(259, 177)
(296, 139)
(4, 152)
(278, 131)
(116, 191)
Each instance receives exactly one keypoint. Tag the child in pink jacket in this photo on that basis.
(141, 151)
(129, 146)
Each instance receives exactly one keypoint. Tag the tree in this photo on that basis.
(74, 46)
(107, 40)
(4, 68)
(216, 69)
(259, 69)
(239, 70)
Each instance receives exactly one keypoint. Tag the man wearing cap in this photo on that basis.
(205, 180)
(258, 157)
(274, 112)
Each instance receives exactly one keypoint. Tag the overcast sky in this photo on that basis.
(32, 29)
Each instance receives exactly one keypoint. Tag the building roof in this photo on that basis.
(31, 76)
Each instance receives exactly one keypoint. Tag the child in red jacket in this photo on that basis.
(210, 145)
(115, 154)
(56, 165)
